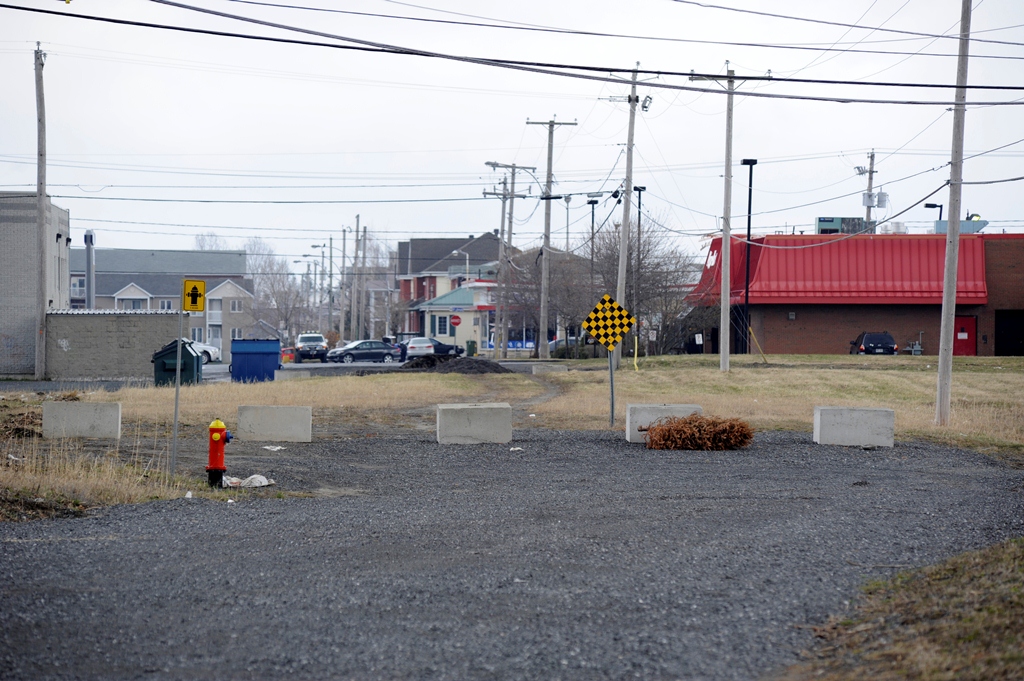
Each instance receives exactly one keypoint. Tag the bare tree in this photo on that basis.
(278, 294)
(209, 242)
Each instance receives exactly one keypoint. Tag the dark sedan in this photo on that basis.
(874, 343)
(446, 349)
(364, 351)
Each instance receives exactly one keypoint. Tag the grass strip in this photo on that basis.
(960, 619)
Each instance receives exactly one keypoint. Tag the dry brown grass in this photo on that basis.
(956, 620)
(987, 410)
(379, 396)
(696, 432)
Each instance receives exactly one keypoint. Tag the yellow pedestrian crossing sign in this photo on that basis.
(609, 322)
(193, 295)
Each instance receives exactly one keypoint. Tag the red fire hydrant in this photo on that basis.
(219, 436)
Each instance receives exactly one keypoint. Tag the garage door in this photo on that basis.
(1010, 333)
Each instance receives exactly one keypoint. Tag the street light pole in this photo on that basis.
(750, 163)
(935, 205)
(456, 252)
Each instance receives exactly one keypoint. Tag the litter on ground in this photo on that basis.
(251, 481)
(274, 448)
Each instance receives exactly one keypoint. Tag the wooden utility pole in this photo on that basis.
(956, 176)
(499, 321)
(869, 199)
(356, 293)
(545, 258)
(330, 283)
(725, 318)
(341, 286)
(42, 241)
(504, 267)
(627, 203)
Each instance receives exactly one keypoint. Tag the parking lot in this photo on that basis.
(566, 554)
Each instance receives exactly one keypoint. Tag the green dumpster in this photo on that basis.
(165, 364)
(471, 348)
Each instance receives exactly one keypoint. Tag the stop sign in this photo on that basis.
(456, 320)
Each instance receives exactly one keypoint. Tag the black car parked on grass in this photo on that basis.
(874, 343)
(365, 351)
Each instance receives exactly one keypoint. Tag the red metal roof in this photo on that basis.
(866, 269)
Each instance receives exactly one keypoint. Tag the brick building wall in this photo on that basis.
(19, 277)
(106, 344)
(1004, 269)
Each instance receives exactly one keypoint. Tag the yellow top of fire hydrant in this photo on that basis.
(217, 423)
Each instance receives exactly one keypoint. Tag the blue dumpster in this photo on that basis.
(254, 360)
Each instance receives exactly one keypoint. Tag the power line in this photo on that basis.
(150, 199)
(529, 67)
(598, 34)
(826, 22)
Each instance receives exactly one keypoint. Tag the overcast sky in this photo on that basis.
(136, 112)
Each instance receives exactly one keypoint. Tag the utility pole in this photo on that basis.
(636, 272)
(725, 318)
(956, 176)
(356, 293)
(627, 201)
(330, 284)
(545, 261)
(42, 241)
(341, 286)
(504, 266)
(869, 198)
(362, 288)
(499, 322)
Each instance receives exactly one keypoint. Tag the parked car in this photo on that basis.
(287, 355)
(310, 346)
(874, 343)
(209, 353)
(446, 349)
(417, 347)
(365, 351)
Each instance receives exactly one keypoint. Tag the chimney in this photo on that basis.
(90, 270)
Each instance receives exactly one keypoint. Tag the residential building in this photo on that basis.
(20, 271)
(135, 279)
(816, 293)
(428, 268)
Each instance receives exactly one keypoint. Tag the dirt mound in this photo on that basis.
(450, 364)
(470, 365)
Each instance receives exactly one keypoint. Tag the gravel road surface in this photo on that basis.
(578, 557)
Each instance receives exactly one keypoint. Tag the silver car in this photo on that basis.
(209, 353)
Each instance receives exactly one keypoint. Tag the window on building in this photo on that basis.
(236, 334)
(197, 334)
(166, 304)
(442, 326)
(236, 305)
(134, 304)
(78, 287)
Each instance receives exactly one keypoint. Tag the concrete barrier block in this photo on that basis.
(275, 424)
(549, 368)
(282, 375)
(81, 419)
(472, 424)
(643, 415)
(854, 426)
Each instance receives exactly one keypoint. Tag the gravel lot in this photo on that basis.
(578, 557)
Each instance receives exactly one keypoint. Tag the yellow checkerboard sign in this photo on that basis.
(609, 322)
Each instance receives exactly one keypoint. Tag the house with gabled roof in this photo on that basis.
(429, 268)
(137, 279)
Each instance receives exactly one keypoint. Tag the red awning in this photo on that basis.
(898, 269)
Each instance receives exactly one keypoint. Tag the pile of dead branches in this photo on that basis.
(706, 433)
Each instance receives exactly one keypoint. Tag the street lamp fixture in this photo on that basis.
(935, 205)
(750, 163)
(456, 252)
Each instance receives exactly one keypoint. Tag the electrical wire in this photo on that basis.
(825, 22)
(150, 199)
(518, 26)
(528, 67)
